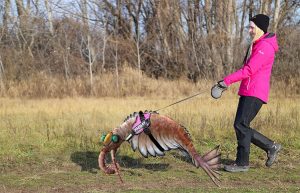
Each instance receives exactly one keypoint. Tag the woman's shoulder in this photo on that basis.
(268, 42)
(263, 46)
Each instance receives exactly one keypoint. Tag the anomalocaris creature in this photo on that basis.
(153, 134)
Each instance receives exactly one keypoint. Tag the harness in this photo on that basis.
(142, 123)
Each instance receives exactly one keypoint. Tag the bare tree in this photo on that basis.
(229, 36)
(1, 75)
(208, 15)
(89, 48)
(105, 39)
(22, 13)
(117, 31)
(49, 14)
(276, 15)
(265, 6)
(243, 20)
(6, 15)
(134, 9)
(117, 11)
(251, 8)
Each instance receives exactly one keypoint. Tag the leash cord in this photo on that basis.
(183, 100)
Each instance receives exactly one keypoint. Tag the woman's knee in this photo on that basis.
(239, 126)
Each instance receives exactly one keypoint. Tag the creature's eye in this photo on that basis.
(102, 137)
(115, 138)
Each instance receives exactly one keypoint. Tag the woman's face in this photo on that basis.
(252, 29)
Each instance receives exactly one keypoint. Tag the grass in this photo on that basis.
(52, 145)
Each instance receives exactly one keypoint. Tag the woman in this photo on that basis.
(254, 92)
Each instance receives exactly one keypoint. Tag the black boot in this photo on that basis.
(272, 154)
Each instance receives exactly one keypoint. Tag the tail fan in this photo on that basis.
(209, 163)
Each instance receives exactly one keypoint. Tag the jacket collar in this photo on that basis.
(262, 37)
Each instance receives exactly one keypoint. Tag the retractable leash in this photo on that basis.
(199, 93)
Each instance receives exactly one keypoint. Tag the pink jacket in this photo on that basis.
(256, 72)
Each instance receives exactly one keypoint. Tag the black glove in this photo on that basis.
(217, 89)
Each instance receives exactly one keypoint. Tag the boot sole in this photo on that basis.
(236, 170)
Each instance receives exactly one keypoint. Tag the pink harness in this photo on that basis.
(142, 124)
(139, 125)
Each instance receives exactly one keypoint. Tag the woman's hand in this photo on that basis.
(217, 89)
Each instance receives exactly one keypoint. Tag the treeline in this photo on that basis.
(85, 39)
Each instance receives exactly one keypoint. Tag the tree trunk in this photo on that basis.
(242, 21)
(104, 46)
(207, 16)
(220, 49)
(118, 25)
(6, 16)
(91, 57)
(135, 11)
(229, 23)
(49, 14)
(262, 6)
(21, 13)
(177, 26)
(251, 8)
(198, 18)
(276, 15)
(2, 89)
(162, 9)
(117, 68)
(192, 23)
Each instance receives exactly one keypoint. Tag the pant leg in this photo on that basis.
(257, 138)
(261, 141)
(247, 110)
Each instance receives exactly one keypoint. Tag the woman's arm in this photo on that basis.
(256, 61)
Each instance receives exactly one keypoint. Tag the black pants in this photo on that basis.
(247, 109)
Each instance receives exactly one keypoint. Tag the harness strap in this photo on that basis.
(148, 132)
(155, 142)
(142, 117)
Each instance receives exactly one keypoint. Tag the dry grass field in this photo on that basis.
(52, 145)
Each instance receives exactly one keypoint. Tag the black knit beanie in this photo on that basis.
(261, 21)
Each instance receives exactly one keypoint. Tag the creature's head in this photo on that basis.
(112, 141)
